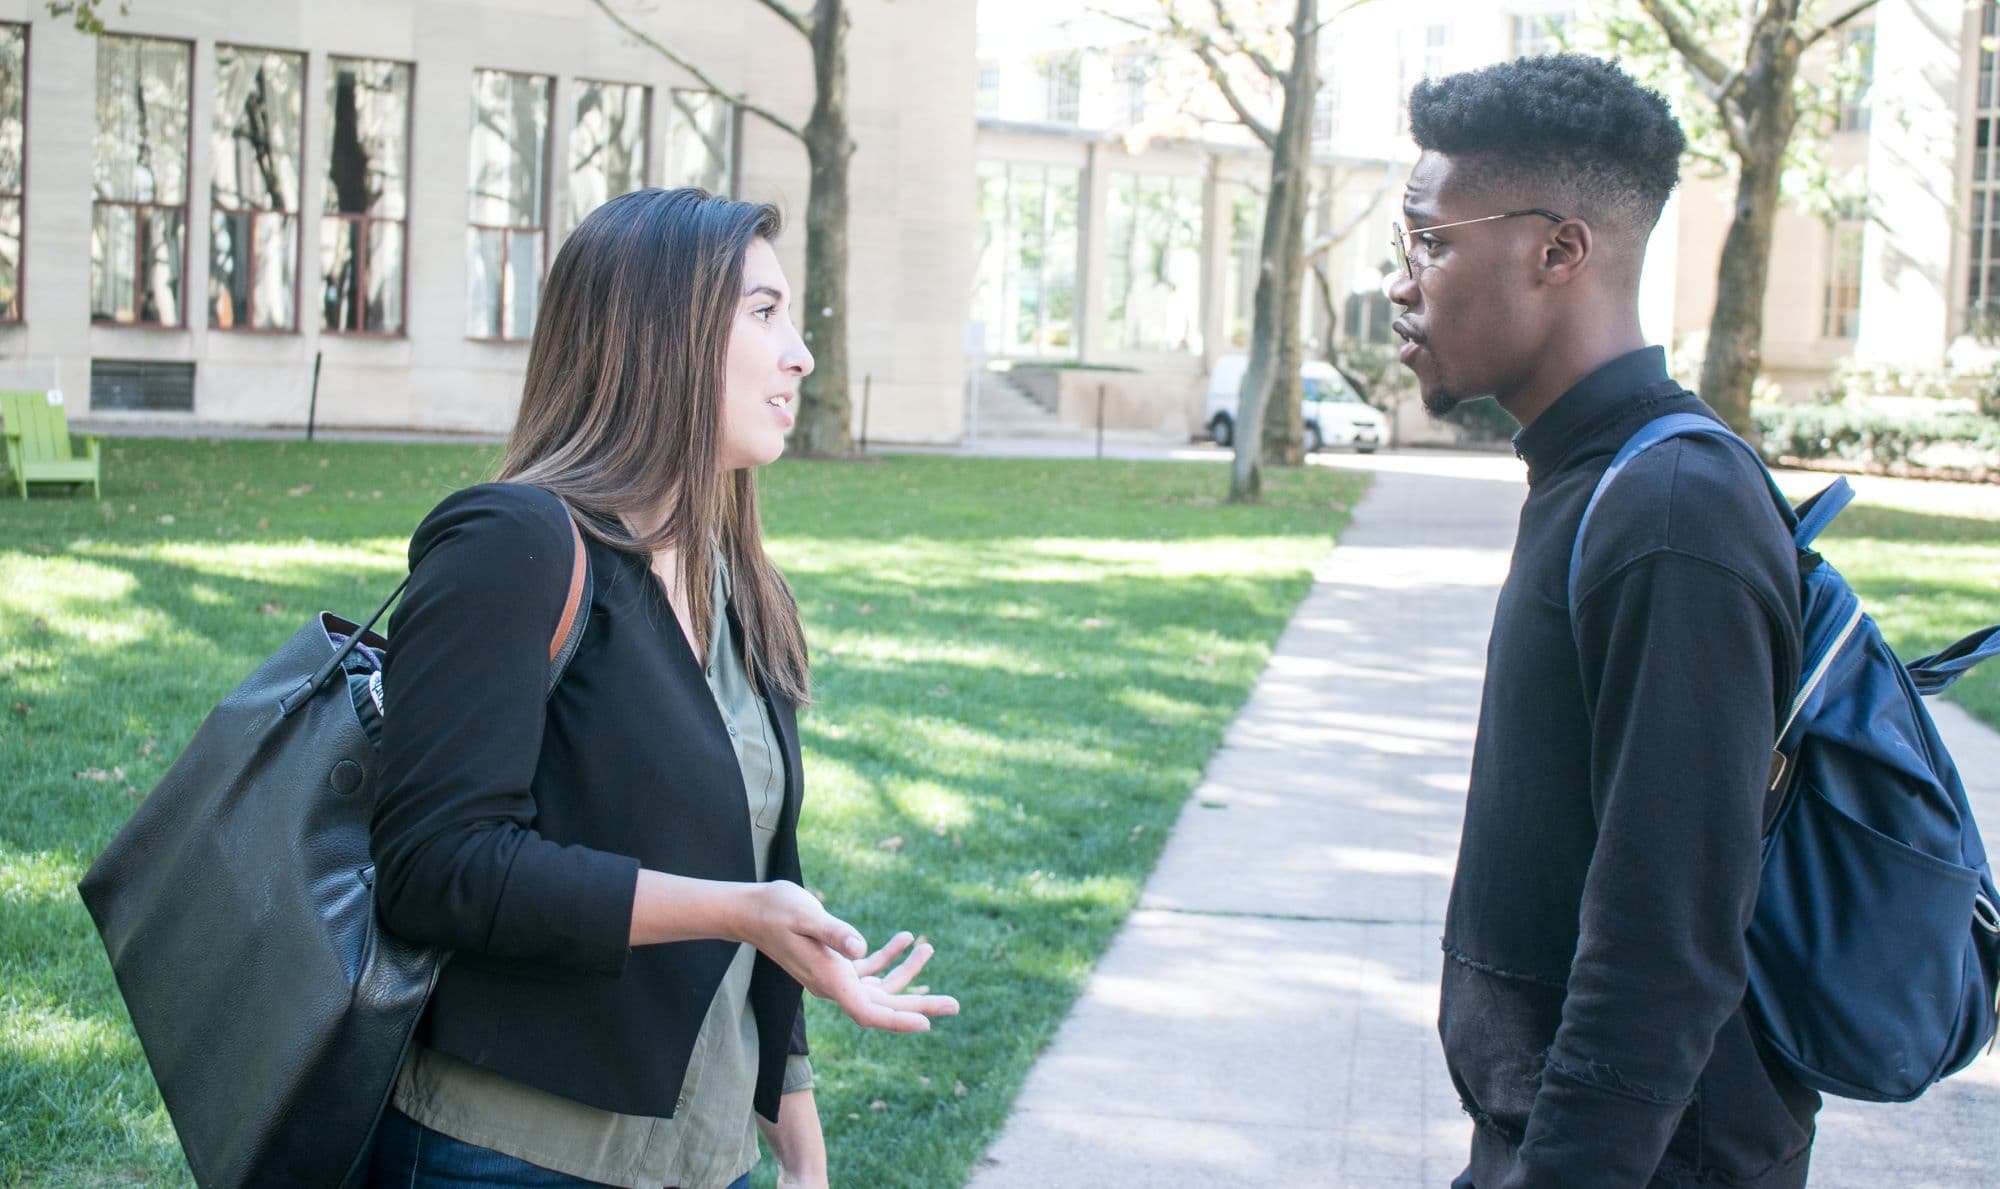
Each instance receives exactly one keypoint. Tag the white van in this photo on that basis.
(1334, 415)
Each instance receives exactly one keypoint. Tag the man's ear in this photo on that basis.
(1566, 252)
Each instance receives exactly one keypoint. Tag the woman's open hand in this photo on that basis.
(827, 956)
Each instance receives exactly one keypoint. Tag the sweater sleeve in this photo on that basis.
(459, 862)
(1678, 657)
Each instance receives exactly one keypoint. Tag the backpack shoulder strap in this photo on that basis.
(1651, 434)
(576, 608)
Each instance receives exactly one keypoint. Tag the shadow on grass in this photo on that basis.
(1021, 667)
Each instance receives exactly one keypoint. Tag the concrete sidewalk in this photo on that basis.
(1267, 1015)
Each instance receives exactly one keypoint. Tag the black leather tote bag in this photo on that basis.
(237, 908)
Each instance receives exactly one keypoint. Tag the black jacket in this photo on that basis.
(512, 829)
(1592, 1006)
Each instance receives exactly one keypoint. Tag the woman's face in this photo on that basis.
(760, 380)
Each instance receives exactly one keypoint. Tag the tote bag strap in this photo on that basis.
(562, 645)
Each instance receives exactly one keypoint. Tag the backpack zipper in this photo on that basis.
(1780, 762)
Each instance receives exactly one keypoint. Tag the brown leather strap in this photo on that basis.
(576, 572)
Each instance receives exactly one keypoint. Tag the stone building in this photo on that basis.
(218, 197)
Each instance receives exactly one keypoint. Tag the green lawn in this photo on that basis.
(1925, 559)
(1022, 668)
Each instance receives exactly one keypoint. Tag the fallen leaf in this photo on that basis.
(41, 625)
(958, 1089)
(270, 609)
(878, 1105)
(146, 748)
(891, 843)
(23, 710)
(301, 489)
(866, 608)
(939, 830)
(263, 522)
(1093, 622)
(166, 518)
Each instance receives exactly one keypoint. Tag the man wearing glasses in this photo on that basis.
(1592, 1006)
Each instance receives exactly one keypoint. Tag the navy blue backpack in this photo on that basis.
(1875, 943)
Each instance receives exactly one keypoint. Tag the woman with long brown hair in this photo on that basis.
(614, 862)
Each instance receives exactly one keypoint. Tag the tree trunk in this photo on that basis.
(825, 409)
(1271, 379)
(1766, 110)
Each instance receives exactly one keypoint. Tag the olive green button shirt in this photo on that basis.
(712, 1138)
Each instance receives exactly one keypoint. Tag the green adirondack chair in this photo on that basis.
(38, 445)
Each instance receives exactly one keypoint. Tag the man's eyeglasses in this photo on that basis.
(1401, 238)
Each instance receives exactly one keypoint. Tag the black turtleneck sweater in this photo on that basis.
(1592, 1005)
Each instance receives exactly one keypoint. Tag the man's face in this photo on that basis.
(1467, 324)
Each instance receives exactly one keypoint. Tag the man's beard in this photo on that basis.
(1438, 402)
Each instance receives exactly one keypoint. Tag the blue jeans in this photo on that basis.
(409, 1155)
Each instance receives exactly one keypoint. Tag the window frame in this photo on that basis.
(185, 207)
(646, 162)
(20, 316)
(402, 330)
(1980, 314)
(1842, 323)
(256, 213)
(507, 232)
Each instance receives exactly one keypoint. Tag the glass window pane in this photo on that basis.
(510, 138)
(112, 238)
(259, 115)
(13, 89)
(607, 146)
(10, 259)
(275, 295)
(142, 119)
(161, 244)
(1059, 263)
(699, 129)
(992, 270)
(340, 280)
(524, 283)
(228, 269)
(367, 137)
(384, 312)
(484, 264)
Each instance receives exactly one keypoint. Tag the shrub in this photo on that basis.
(1860, 435)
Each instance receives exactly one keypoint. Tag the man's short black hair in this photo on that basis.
(1564, 124)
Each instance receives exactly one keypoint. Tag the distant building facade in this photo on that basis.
(199, 207)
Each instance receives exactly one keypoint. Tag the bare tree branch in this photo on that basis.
(1852, 11)
(1709, 70)
(1227, 25)
(1333, 238)
(1343, 10)
(1217, 71)
(794, 19)
(742, 101)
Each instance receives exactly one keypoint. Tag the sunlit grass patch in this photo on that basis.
(1020, 670)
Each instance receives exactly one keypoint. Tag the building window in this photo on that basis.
(13, 163)
(361, 243)
(607, 145)
(1134, 71)
(986, 100)
(1246, 258)
(1326, 115)
(1982, 306)
(701, 141)
(1152, 299)
(1533, 34)
(1437, 43)
(1028, 258)
(253, 249)
(138, 229)
(1062, 88)
(1841, 311)
(508, 191)
(1856, 73)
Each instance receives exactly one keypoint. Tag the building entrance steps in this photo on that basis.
(1267, 1015)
